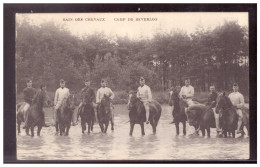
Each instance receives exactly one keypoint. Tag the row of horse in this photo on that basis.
(200, 116)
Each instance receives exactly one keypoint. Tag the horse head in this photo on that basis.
(132, 100)
(223, 103)
(106, 103)
(194, 113)
(40, 98)
(71, 101)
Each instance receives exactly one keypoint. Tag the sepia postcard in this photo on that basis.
(122, 86)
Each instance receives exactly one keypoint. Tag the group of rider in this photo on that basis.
(143, 93)
(187, 94)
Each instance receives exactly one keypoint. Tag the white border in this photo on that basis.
(134, 1)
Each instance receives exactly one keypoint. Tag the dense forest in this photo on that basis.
(48, 52)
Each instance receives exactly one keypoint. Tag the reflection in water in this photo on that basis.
(118, 144)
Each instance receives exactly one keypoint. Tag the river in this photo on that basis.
(118, 145)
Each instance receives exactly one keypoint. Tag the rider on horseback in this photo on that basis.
(60, 95)
(145, 95)
(237, 100)
(187, 93)
(174, 93)
(104, 90)
(211, 102)
(29, 92)
(87, 96)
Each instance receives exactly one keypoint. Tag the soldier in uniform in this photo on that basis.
(87, 96)
(28, 94)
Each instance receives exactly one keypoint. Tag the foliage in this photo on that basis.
(48, 52)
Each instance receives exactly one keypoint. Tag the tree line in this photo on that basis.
(48, 52)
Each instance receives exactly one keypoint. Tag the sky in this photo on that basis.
(113, 24)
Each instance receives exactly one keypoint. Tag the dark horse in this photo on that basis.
(228, 117)
(64, 115)
(87, 115)
(202, 117)
(104, 114)
(178, 111)
(137, 113)
(36, 115)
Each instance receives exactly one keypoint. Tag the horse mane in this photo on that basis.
(37, 100)
(138, 101)
(229, 103)
(36, 97)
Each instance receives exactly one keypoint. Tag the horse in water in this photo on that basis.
(36, 115)
(178, 110)
(228, 117)
(137, 113)
(64, 115)
(87, 115)
(201, 117)
(104, 113)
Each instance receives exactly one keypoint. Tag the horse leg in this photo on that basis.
(142, 128)
(82, 126)
(177, 128)
(153, 126)
(112, 124)
(101, 127)
(208, 131)
(27, 131)
(131, 128)
(67, 129)
(242, 129)
(233, 133)
(57, 127)
(39, 130)
(89, 125)
(112, 120)
(203, 132)
(247, 128)
(184, 127)
(19, 126)
(92, 124)
(32, 131)
(61, 129)
(106, 126)
(225, 133)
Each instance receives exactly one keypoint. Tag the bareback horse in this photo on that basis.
(104, 114)
(64, 115)
(87, 115)
(228, 117)
(137, 113)
(178, 111)
(36, 115)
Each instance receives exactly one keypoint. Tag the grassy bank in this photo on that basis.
(121, 97)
